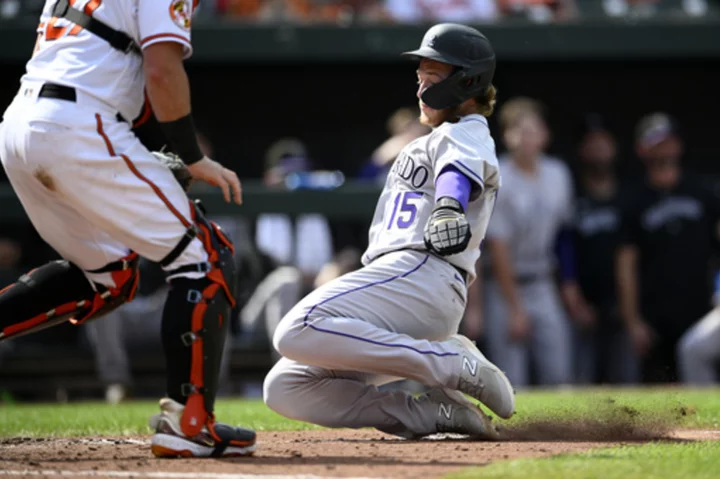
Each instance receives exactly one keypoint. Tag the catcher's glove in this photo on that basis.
(447, 231)
(178, 168)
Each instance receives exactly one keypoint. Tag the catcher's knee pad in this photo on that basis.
(195, 323)
(59, 291)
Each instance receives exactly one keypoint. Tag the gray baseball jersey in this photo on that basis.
(409, 194)
(529, 214)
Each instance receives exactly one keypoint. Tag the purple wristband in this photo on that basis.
(453, 183)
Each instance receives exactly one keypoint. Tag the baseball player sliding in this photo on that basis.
(100, 198)
(397, 317)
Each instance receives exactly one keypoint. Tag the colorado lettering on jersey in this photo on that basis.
(674, 208)
(412, 172)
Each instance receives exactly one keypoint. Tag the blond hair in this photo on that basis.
(486, 102)
(515, 109)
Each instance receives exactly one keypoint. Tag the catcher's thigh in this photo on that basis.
(94, 191)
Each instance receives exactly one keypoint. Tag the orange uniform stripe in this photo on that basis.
(137, 173)
(40, 318)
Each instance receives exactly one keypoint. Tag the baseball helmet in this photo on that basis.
(464, 48)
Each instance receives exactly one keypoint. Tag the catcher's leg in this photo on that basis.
(195, 324)
(60, 291)
(157, 220)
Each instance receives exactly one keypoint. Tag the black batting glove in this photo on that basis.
(447, 231)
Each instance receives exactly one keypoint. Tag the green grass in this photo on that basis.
(697, 460)
(131, 418)
(702, 409)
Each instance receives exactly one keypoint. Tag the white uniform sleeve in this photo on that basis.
(165, 21)
(454, 146)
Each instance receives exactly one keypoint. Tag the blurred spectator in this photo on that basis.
(298, 248)
(306, 11)
(419, 11)
(305, 241)
(670, 234)
(403, 126)
(525, 321)
(540, 11)
(650, 8)
(602, 348)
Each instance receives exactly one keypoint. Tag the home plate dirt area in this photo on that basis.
(325, 453)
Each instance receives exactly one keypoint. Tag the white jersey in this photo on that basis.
(72, 56)
(408, 198)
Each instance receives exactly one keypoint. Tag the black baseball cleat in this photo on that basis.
(215, 439)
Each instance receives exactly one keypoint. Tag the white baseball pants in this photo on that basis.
(88, 185)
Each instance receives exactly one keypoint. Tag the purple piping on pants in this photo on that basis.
(322, 330)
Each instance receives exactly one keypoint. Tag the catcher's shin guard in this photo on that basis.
(59, 291)
(195, 323)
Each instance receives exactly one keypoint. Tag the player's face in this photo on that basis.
(429, 73)
(597, 153)
(528, 137)
(663, 161)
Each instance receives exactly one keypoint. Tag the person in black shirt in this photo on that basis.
(668, 240)
(603, 351)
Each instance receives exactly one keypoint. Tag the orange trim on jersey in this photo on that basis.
(163, 35)
(146, 113)
(135, 171)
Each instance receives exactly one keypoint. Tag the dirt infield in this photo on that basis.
(340, 453)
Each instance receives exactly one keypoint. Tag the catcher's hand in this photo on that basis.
(178, 168)
(447, 231)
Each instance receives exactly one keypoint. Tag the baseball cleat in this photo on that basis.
(482, 380)
(456, 414)
(215, 439)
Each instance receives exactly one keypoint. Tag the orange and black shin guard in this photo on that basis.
(59, 291)
(195, 324)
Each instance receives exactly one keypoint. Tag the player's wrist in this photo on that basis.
(449, 203)
(182, 138)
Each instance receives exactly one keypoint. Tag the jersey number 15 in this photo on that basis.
(407, 203)
(53, 32)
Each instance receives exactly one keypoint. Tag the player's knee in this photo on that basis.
(278, 392)
(286, 342)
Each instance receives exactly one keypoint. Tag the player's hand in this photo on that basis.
(642, 336)
(447, 231)
(519, 325)
(214, 174)
(578, 309)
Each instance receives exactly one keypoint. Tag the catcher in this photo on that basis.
(100, 198)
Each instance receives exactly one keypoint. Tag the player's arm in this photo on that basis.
(626, 266)
(447, 231)
(168, 91)
(570, 291)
